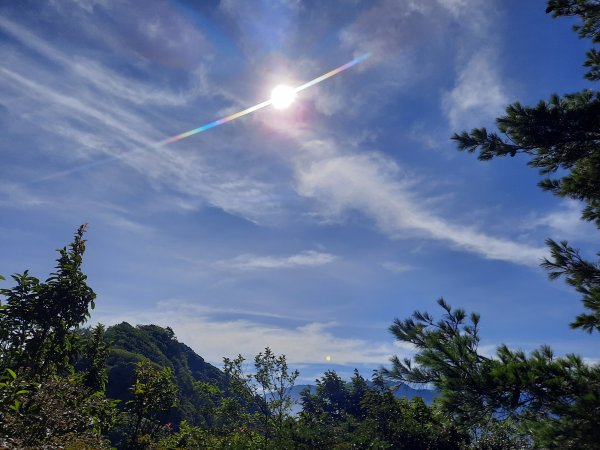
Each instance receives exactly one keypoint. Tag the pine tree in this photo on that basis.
(538, 399)
(560, 135)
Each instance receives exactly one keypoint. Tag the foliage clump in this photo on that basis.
(44, 402)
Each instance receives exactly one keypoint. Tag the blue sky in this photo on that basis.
(308, 229)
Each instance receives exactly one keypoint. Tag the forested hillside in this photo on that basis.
(64, 386)
(129, 345)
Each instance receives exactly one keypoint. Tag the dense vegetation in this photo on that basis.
(65, 386)
(131, 345)
(138, 387)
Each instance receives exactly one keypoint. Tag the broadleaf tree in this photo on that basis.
(39, 321)
(43, 401)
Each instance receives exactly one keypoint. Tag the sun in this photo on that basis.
(282, 96)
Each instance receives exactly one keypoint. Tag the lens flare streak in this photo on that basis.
(216, 123)
(237, 115)
(204, 127)
(333, 72)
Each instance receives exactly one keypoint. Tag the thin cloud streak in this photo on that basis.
(564, 222)
(114, 127)
(373, 185)
(309, 258)
(95, 74)
(210, 311)
(396, 267)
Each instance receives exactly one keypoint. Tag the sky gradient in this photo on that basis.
(307, 229)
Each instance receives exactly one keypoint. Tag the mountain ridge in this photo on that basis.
(131, 344)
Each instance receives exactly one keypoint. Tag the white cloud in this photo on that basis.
(565, 222)
(116, 120)
(478, 94)
(96, 117)
(408, 42)
(304, 344)
(128, 225)
(475, 15)
(433, 139)
(250, 19)
(456, 7)
(14, 196)
(157, 33)
(206, 311)
(94, 112)
(397, 267)
(375, 186)
(110, 82)
(308, 258)
(389, 27)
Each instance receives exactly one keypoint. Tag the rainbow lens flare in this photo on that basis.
(261, 105)
(204, 127)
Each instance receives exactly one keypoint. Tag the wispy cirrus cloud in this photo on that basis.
(101, 77)
(375, 185)
(305, 259)
(14, 196)
(564, 222)
(397, 267)
(250, 19)
(96, 112)
(394, 31)
(158, 33)
(478, 94)
(475, 15)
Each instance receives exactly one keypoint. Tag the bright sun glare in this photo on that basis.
(282, 96)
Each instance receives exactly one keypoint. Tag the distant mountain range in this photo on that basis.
(402, 391)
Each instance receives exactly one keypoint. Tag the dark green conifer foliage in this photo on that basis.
(562, 136)
(512, 400)
(555, 401)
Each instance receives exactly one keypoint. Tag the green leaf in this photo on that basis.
(12, 374)
(15, 406)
